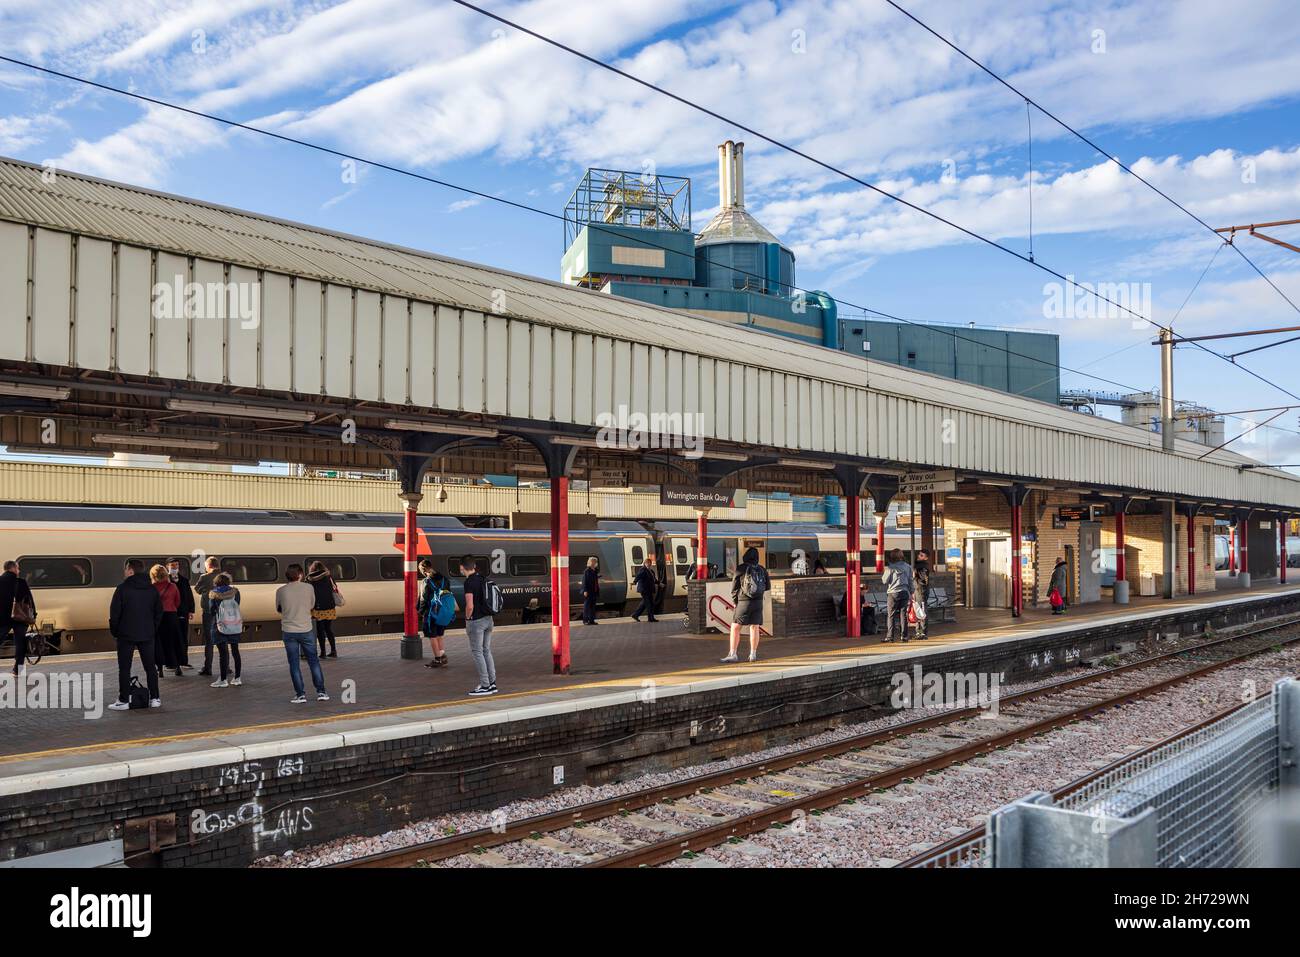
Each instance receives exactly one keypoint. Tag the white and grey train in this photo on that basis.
(72, 557)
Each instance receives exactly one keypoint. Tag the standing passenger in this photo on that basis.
(203, 586)
(175, 570)
(921, 596)
(294, 602)
(164, 649)
(1056, 587)
(646, 585)
(15, 590)
(227, 626)
(326, 609)
(590, 590)
(747, 590)
(478, 626)
(819, 567)
(431, 592)
(133, 619)
(898, 590)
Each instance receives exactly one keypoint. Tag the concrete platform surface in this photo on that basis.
(376, 696)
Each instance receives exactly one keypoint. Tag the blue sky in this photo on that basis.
(1202, 97)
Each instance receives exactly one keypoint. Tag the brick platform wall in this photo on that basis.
(232, 814)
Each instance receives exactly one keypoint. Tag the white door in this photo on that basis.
(682, 557)
(635, 550)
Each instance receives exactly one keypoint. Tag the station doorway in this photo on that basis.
(988, 572)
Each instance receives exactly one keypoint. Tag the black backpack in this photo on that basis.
(137, 695)
(754, 583)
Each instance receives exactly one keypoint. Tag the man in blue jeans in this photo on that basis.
(478, 628)
(294, 601)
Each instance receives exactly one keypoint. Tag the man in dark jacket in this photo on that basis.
(133, 619)
(1059, 583)
(176, 571)
(203, 586)
(921, 596)
(646, 583)
(590, 590)
(13, 587)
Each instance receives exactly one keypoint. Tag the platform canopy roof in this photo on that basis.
(342, 320)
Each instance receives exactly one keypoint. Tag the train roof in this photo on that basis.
(212, 516)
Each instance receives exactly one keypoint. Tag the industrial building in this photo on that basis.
(630, 235)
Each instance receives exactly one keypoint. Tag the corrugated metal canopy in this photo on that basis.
(405, 327)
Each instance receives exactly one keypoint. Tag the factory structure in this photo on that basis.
(629, 234)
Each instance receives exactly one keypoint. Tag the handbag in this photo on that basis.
(23, 612)
(339, 600)
(137, 695)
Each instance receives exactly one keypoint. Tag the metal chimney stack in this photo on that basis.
(731, 175)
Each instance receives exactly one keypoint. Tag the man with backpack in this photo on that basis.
(133, 619)
(294, 601)
(436, 608)
(747, 590)
(482, 601)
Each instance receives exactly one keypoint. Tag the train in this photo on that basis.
(73, 556)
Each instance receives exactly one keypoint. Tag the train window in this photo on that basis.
(391, 567)
(252, 570)
(578, 563)
(42, 572)
(529, 566)
(638, 555)
(683, 555)
(343, 569)
(481, 562)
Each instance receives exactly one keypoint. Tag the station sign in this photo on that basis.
(1075, 513)
(696, 496)
(924, 483)
(607, 478)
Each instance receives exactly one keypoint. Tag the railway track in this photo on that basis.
(656, 825)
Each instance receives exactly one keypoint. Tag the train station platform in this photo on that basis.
(395, 720)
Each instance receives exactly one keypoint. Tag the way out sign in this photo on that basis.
(922, 483)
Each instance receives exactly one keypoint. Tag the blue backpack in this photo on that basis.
(443, 608)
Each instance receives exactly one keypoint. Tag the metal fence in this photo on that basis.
(1202, 800)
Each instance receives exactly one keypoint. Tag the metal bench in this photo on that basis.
(942, 604)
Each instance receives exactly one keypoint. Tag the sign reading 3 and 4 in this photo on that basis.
(924, 483)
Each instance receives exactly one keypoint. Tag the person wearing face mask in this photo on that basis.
(176, 574)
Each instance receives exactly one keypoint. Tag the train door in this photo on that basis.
(730, 557)
(634, 553)
(988, 572)
(759, 545)
(680, 561)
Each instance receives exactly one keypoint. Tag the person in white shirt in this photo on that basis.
(294, 601)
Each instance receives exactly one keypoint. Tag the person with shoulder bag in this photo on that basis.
(17, 612)
(328, 600)
(436, 609)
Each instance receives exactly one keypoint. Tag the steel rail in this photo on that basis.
(1066, 790)
(661, 852)
(482, 838)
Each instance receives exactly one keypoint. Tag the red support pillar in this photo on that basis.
(702, 544)
(1232, 549)
(1017, 580)
(560, 575)
(880, 540)
(410, 542)
(853, 568)
(1191, 553)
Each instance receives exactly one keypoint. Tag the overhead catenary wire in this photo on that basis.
(525, 207)
(446, 184)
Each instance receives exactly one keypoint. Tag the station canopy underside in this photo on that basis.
(135, 300)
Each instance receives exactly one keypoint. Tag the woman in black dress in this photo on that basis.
(747, 590)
